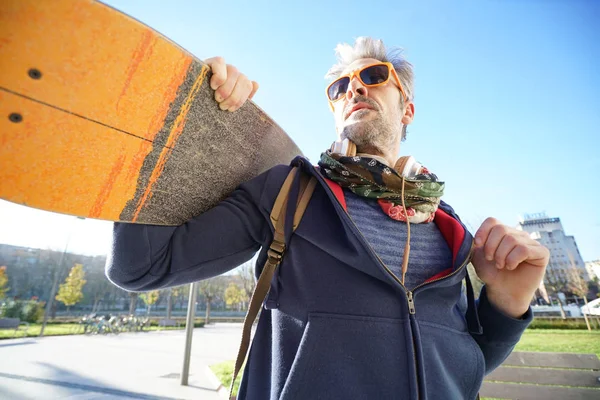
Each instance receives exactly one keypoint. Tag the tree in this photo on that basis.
(3, 282)
(133, 298)
(150, 298)
(208, 288)
(70, 291)
(181, 294)
(98, 288)
(577, 285)
(246, 276)
(234, 296)
(115, 294)
(594, 286)
(172, 294)
(211, 289)
(556, 281)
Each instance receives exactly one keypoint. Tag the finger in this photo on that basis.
(534, 254)
(507, 245)
(254, 89)
(224, 91)
(219, 71)
(479, 259)
(484, 230)
(493, 241)
(517, 255)
(239, 95)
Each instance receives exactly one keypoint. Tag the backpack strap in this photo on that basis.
(274, 256)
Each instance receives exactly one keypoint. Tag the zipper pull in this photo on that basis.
(411, 303)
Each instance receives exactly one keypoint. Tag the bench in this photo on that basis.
(14, 323)
(548, 376)
(167, 322)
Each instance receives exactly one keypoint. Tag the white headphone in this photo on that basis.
(406, 166)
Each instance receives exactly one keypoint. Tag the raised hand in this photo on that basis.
(511, 264)
(231, 87)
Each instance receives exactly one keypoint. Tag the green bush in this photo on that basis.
(33, 311)
(61, 321)
(558, 324)
(12, 309)
(30, 311)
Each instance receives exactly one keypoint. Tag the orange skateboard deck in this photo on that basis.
(102, 117)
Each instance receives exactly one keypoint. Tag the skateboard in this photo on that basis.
(103, 117)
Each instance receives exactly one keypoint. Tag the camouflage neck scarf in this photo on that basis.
(370, 178)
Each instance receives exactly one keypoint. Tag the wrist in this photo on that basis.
(508, 304)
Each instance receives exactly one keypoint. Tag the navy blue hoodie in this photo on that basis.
(336, 324)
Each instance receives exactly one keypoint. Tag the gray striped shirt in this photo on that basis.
(429, 252)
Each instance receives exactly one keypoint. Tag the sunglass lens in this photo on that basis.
(338, 88)
(375, 74)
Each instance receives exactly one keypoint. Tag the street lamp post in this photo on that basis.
(189, 331)
(55, 283)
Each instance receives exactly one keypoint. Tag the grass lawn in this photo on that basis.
(224, 371)
(50, 330)
(560, 341)
(62, 329)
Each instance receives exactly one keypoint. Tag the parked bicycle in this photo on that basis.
(95, 324)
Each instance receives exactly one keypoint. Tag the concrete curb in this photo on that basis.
(221, 390)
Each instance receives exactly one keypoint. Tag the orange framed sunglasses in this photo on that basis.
(372, 75)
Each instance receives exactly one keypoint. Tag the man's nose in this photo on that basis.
(355, 88)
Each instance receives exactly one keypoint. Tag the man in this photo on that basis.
(351, 314)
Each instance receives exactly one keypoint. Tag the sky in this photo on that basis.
(507, 108)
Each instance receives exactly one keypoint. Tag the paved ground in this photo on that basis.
(142, 365)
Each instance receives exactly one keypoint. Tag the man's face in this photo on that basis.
(371, 117)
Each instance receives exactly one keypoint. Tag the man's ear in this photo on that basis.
(409, 114)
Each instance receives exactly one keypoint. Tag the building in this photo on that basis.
(563, 248)
(593, 269)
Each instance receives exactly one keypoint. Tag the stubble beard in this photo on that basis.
(374, 136)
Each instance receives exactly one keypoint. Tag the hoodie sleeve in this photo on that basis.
(148, 257)
(500, 332)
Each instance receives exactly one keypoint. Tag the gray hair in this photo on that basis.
(367, 47)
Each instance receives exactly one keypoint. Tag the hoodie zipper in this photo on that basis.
(409, 293)
(411, 304)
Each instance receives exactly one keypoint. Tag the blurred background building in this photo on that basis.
(564, 253)
(593, 269)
